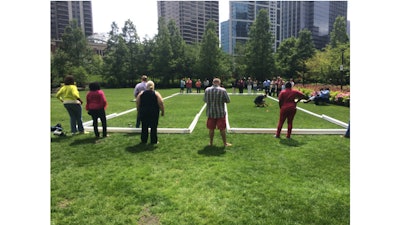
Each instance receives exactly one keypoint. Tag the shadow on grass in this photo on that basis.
(138, 148)
(132, 135)
(322, 104)
(290, 142)
(85, 141)
(212, 151)
(59, 138)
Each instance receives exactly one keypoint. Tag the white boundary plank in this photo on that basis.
(230, 129)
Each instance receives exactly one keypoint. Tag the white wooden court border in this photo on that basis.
(88, 125)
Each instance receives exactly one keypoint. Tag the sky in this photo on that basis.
(143, 14)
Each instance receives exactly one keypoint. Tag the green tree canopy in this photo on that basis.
(73, 53)
(286, 57)
(162, 54)
(324, 66)
(132, 40)
(178, 51)
(339, 32)
(259, 48)
(304, 50)
(210, 53)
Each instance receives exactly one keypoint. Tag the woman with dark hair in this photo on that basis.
(287, 105)
(69, 96)
(96, 104)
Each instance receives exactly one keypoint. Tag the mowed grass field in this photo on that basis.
(182, 180)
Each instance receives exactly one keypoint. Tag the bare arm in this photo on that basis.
(160, 103)
(300, 97)
(138, 101)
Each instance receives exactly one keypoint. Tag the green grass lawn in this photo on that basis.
(259, 180)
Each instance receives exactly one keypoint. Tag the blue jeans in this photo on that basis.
(75, 117)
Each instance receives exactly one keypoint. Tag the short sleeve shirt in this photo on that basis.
(216, 97)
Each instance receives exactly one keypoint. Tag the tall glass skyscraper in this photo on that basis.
(64, 11)
(287, 19)
(225, 36)
(243, 14)
(316, 16)
(191, 17)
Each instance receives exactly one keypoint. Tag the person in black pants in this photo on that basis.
(149, 103)
(259, 100)
(96, 103)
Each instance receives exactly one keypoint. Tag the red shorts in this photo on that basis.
(212, 123)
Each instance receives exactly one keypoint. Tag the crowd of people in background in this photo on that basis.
(271, 87)
(188, 84)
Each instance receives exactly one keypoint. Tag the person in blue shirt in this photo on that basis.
(322, 96)
(267, 85)
(182, 85)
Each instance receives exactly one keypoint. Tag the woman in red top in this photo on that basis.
(198, 85)
(287, 105)
(96, 104)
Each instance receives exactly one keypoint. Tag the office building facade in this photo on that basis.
(224, 37)
(62, 12)
(242, 14)
(191, 17)
(287, 19)
(316, 16)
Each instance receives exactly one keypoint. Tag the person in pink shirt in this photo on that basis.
(96, 104)
(198, 85)
(189, 85)
(287, 105)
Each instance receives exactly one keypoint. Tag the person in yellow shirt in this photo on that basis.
(69, 96)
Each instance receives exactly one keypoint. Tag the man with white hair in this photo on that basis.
(216, 97)
(149, 104)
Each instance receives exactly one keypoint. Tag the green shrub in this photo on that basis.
(306, 91)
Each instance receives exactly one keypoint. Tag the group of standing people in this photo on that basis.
(149, 103)
(188, 84)
(96, 103)
(271, 87)
(252, 85)
(274, 86)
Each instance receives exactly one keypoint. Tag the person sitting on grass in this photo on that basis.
(259, 100)
(322, 96)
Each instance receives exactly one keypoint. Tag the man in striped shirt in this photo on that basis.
(216, 97)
